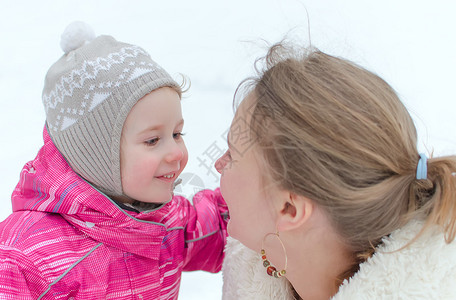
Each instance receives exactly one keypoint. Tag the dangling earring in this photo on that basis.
(270, 269)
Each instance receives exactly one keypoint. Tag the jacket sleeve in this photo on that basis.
(16, 276)
(205, 234)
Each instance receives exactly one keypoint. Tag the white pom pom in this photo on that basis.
(76, 35)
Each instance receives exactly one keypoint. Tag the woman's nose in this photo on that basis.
(221, 163)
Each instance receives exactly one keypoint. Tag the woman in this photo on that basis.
(324, 182)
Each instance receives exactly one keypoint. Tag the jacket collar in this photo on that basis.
(48, 184)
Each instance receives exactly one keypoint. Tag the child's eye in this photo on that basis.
(152, 142)
(178, 135)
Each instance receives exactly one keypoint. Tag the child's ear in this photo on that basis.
(294, 211)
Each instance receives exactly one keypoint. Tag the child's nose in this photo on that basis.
(175, 153)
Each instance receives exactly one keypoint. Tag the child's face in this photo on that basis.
(153, 153)
(251, 213)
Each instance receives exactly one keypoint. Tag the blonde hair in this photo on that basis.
(338, 134)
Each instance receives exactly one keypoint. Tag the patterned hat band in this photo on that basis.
(83, 89)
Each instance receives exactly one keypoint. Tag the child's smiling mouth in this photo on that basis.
(167, 177)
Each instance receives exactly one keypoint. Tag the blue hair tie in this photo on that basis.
(421, 169)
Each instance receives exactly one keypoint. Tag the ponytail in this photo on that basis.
(437, 195)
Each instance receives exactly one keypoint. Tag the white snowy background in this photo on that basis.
(409, 43)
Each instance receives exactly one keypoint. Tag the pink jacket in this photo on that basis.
(66, 240)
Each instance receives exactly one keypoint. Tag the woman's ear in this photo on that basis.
(294, 211)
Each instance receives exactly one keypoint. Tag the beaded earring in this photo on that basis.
(270, 269)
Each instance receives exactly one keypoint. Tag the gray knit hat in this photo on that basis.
(87, 96)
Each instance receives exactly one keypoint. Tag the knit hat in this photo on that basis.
(87, 96)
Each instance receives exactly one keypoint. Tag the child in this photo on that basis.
(94, 216)
(327, 191)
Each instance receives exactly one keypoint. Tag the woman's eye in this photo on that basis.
(152, 142)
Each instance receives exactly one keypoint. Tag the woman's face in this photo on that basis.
(251, 213)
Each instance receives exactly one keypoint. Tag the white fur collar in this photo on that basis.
(245, 278)
(424, 270)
